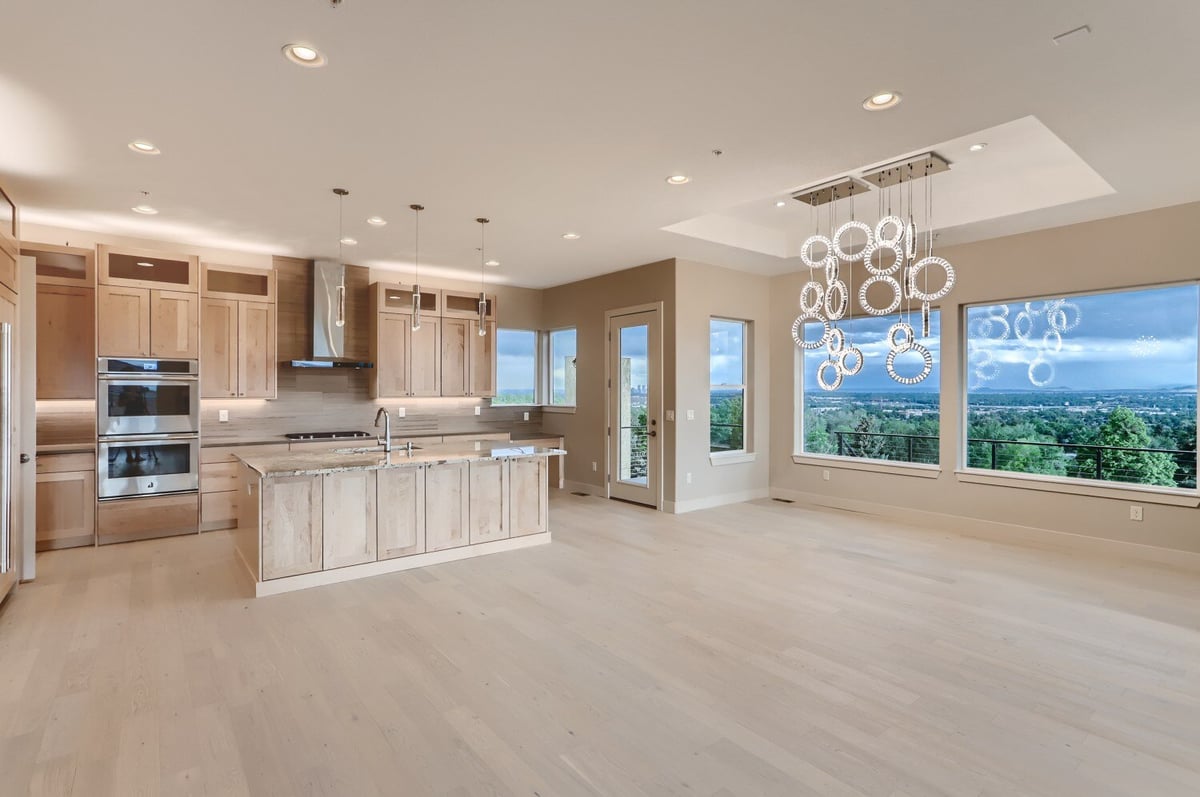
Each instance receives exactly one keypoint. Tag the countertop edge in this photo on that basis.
(265, 471)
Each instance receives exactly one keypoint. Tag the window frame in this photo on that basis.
(537, 367)
(547, 375)
(746, 452)
(1177, 496)
(890, 466)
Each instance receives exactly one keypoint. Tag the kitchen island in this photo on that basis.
(312, 518)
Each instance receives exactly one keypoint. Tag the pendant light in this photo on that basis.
(482, 295)
(416, 289)
(340, 320)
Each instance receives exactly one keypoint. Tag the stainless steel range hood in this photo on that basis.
(329, 319)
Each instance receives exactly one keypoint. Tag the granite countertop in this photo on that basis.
(208, 441)
(296, 463)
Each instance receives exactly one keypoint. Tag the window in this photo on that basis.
(516, 367)
(727, 385)
(1099, 386)
(871, 416)
(562, 367)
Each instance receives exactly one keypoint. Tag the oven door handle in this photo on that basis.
(149, 438)
(148, 377)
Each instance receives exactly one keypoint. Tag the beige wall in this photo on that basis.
(702, 292)
(583, 305)
(1141, 249)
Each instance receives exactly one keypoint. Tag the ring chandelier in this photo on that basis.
(896, 255)
(1039, 328)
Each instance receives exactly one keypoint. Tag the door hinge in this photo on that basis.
(608, 431)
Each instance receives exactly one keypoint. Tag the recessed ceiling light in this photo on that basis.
(376, 221)
(780, 204)
(145, 210)
(303, 54)
(143, 147)
(980, 147)
(882, 101)
(145, 264)
(678, 179)
(348, 241)
(492, 263)
(571, 236)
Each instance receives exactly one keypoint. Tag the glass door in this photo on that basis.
(635, 376)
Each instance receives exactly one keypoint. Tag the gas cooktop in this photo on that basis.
(323, 435)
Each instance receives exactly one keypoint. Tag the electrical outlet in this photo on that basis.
(689, 478)
(593, 467)
(670, 415)
(478, 410)
(400, 412)
(526, 415)
(825, 475)
(691, 415)
(1135, 512)
(222, 416)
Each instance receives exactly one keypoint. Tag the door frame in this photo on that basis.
(656, 406)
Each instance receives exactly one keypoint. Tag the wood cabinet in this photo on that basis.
(407, 361)
(66, 334)
(348, 506)
(292, 519)
(446, 505)
(488, 504)
(463, 304)
(529, 496)
(123, 328)
(66, 500)
(220, 487)
(148, 268)
(401, 527)
(174, 325)
(71, 266)
(238, 333)
(468, 358)
(143, 518)
(482, 365)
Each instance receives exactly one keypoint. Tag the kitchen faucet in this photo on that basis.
(387, 428)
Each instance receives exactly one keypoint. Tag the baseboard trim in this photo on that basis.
(355, 572)
(709, 502)
(996, 531)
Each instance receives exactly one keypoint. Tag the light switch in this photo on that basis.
(399, 412)
(222, 416)
(478, 410)
(670, 415)
(691, 415)
(526, 414)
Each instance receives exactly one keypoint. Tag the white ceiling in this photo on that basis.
(550, 116)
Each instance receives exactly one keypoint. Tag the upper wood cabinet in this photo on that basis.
(238, 333)
(468, 358)
(461, 304)
(392, 297)
(407, 361)
(148, 268)
(62, 265)
(139, 322)
(483, 360)
(174, 325)
(66, 348)
(9, 243)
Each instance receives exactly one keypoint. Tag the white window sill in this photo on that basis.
(918, 469)
(732, 457)
(1055, 484)
(570, 410)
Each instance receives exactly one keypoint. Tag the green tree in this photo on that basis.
(1124, 430)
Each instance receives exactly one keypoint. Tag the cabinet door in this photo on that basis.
(424, 359)
(528, 495)
(456, 353)
(291, 525)
(256, 350)
(392, 336)
(488, 501)
(66, 331)
(174, 325)
(8, 267)
(348, 501)
(446, 512)
(401, 520)
(218, 348)
(122, 321)
(483, 359)
(66, 509)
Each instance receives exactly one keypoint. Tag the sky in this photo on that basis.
(869, 334)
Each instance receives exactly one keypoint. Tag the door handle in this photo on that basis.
(653, 433)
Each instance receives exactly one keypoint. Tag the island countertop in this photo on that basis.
(303, 463)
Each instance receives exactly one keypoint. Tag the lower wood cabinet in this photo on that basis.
(292, 519)
(488, 505)
(66, 500)
(348, 510)
(401, 528)
(446, 505)
(529, 496)
(129, 519)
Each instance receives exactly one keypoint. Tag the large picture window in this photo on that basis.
(562, 367)
(516, 367)
(871, 416)
(727, 348)
(1099, 386)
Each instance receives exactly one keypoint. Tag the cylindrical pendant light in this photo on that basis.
(340, 317)
(416, 288)
(482, 295)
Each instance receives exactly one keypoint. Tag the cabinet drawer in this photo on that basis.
(140, 518)
(218, 477)
(65, 463)
(212, 454)
(218, 510)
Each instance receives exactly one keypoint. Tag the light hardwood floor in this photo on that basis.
(754, 649)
